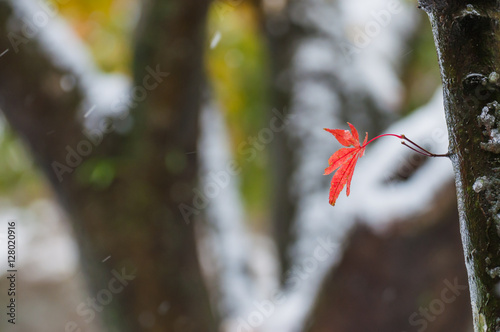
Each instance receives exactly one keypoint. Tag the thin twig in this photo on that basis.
(427, 154)
(422, 150)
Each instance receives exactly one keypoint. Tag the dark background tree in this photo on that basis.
(134, 219)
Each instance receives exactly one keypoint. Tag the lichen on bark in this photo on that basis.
(490, 120)
(467, 36)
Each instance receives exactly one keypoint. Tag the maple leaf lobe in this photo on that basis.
(344, 160)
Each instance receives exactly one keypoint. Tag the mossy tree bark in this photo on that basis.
(134, 218)
(467, 38)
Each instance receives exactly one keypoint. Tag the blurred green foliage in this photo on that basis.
(421, 74)
(237, 69)
(98, 173)
(20, 181)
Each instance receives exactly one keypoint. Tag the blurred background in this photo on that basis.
(163, 163)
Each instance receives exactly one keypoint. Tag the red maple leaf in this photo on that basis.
(344, 159)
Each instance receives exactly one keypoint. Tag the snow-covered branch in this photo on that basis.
(38, 21)
(224, 241)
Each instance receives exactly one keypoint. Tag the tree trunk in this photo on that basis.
(284, 209)
(139, 253)
(467, 35)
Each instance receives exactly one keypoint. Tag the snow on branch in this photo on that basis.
(374, 200)
(39, 21)
(378, 195)
(357, 45)
(366, 39)
(377, 34)
(225, 246)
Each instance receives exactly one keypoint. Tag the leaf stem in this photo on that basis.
(425, 153)
(398, 136)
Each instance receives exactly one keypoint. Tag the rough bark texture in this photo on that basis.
(467, 36)
(135, 219)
